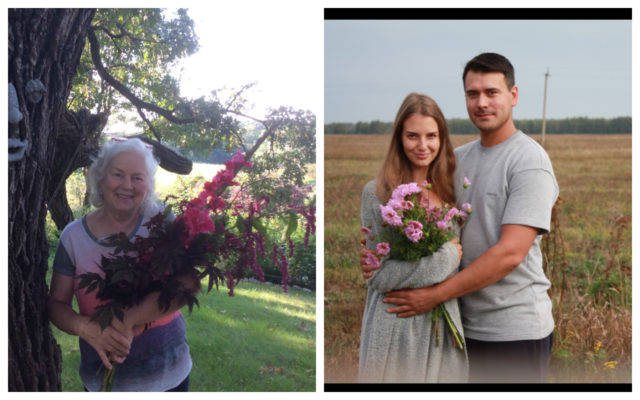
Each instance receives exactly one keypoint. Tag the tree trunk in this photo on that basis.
(78, 140)
(59, 208)
(44, 44)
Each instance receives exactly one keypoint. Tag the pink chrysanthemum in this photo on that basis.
(371, 260)
(404, 190)
(390, 216)
(383, 248)
(442, 225)
(413, 231)
(450, 214)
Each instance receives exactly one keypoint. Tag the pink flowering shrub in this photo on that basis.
(289, 214)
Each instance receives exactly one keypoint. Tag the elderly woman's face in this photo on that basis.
(126, 182)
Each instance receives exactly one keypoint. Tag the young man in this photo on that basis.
(507, 318)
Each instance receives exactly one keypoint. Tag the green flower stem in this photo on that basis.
(107, 379)
(435, 317)
(454, 331)
(437, 312)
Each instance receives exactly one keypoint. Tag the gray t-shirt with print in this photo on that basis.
(511, 183)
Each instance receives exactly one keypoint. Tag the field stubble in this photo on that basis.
(588, 253)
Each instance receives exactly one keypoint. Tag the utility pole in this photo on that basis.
(544, 107)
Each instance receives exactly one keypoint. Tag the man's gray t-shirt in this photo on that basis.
(511, 183)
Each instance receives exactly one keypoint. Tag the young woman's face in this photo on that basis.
(126, 183)
(420, 140)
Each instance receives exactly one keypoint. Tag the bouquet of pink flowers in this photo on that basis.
(413, 228)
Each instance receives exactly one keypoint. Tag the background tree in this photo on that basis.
(618, 125)
(96, 65)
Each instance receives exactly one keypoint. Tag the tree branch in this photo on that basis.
(268, 132)
(168, 158)
(97, 61)
(146, 120)
(238, 93)
(123, 33)
(238, 113)
(111, 35)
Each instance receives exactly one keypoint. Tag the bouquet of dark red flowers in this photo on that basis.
(207, 238)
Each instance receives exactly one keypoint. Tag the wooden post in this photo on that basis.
(544, 107)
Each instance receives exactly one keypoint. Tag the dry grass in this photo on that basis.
(589, 253)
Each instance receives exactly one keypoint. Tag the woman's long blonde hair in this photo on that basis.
(396, 168)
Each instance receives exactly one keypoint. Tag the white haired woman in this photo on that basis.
(121, 187)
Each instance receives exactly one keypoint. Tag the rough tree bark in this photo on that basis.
(78, 140)
(44, 44)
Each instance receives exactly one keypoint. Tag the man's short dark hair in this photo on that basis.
(491, 62)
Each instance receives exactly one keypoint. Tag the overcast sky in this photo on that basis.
(371, 65)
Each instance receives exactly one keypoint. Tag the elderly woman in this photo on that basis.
(121, 186)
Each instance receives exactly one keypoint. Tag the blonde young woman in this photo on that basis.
(394, 349)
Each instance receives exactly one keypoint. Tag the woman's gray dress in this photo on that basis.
(404, 350)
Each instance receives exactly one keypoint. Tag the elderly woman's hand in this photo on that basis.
(127, 328)
(110, 344)
(136, 318)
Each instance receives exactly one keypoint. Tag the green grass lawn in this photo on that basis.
(261, 339)
(164, 179)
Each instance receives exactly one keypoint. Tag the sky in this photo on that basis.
(263, 44)
(371, 65)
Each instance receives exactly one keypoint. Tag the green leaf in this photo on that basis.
(291, 226)
(92, 287)
(87, 279)
(259, 226)
(119, 275)
(105, 318)
(240, 225)
(167, 211)
(118, 313)
(220, 220)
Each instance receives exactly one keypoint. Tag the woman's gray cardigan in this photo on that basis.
(394, 349)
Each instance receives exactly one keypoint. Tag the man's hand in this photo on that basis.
(411, 302)
(456, 242)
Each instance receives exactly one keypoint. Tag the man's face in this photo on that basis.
(489, 101)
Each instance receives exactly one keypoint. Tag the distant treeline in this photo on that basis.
(463, 125)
